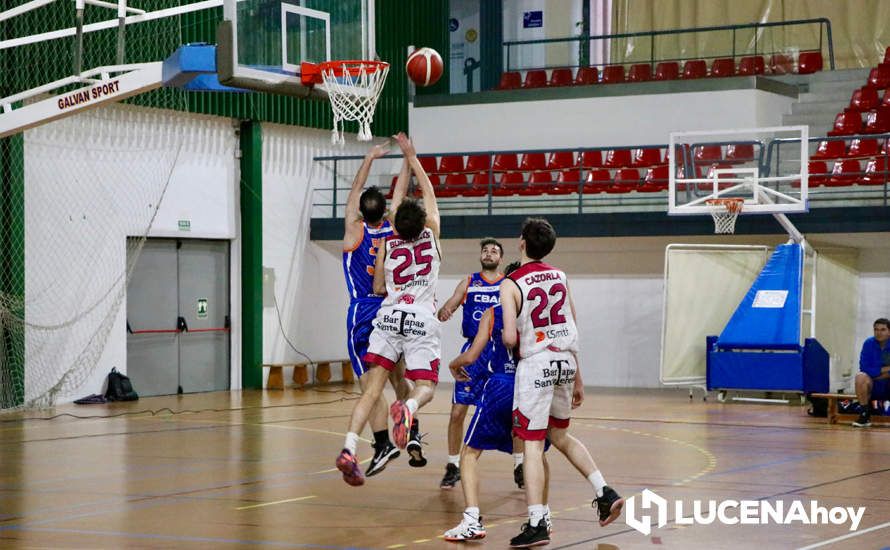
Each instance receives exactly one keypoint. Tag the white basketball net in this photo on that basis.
(725, 213)
(353, 88)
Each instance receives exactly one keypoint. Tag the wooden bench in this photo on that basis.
(322, 374)
(834, 415)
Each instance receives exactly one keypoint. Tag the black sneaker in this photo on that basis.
(382, 456)
(518, 477)
(452, 476)
(609, 506)
(864, 420)
(415, 450)
(531, 536)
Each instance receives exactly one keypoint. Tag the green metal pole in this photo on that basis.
(251, 255)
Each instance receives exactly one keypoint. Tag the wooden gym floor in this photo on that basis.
(254, 469)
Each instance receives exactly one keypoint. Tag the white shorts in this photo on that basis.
(401, 329)
(542, 395)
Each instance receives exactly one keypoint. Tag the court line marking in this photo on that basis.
(845, 537)
(276, 502)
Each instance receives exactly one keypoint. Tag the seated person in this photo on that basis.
(874, 366)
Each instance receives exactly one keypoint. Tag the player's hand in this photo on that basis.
(379, 150)
(457, 368)
(577, 396)
(444, 314)
(405, 144)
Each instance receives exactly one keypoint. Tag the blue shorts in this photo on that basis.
(359, 324)
(492, 423)
(880, 389)
(469, 392)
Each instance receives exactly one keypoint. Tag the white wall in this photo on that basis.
(590, 122)
(91, 181)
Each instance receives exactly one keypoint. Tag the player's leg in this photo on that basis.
(518, 457)
(384, 450)
(402, 412)
(403, 387)
(864, 389)
(422, 352)
(347, 461)
(470, 527)
(455, 435)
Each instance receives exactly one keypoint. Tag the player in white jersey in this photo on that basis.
(539, 313)
(407, 271)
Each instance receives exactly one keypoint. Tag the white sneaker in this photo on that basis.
(469, 529)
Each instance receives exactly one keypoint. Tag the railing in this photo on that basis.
(512, 59)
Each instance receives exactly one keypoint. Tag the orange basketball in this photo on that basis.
(424, 66)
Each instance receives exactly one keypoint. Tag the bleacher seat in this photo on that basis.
(428, 163)
(392, 186)
(818, 171)
(878, 121)
(532, 161)
(641, 72)
(613, 74)
(667, 70)
(538, 183)
(724, 66)
(845, 172)
(511, 80)
(567, 181)
(561, 77)
(586, 76)
(864, 99)
(875, 172)
(591, 159)
(879, 77)
(780, 63)
(656, 179)
(451, 163)
(847, 124)
(560, 160)
(505, 161)
(863, 147)
(479, 185)
(809, 62)
(455, 184)
(645, 157)
(829, 150)
(617, 158)
(626, 180)
(536, 78)
(597, 181)
(885, 99)
(739, 152)
(511, 183)
(478, 163)
(695, 68)
(703, 154)
(751, 65)
(712, 171)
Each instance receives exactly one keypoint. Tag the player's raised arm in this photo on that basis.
(451, 305)
(352, 217)
(399, 191)
(510, 306)
(475, 350)
(426, 187)
(379, 284)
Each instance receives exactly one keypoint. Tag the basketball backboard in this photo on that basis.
(263, 42)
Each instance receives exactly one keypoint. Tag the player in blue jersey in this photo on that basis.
(366, 229)
(491, 426)
(477, 293)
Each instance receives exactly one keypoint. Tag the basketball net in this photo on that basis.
(353, 88)
(725, 212)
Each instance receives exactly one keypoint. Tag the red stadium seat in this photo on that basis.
(568, 181)
(878, 121)
(864, 99)
(885, 99)
(626, 180)
(847, 124)
(597, 181)
(451, 163)
(875, 172)
(617, 158)
(667, 70)
(818, 171)
(656, 179)
(845, 172)
(428, 163)
(780, 63)
(586, 76)
(864, 147)
(479, 185)
(455, 184)
(532, 161)
(724, 66)
(510, 80)
(703, 154)
(695, 68)
(645, 157)
(505, 161)
(511, 183)
(751, 65)
(561, 77)
(536, 78)
(834, 149)
(591, 159)
(560, 160)
(641, 72)
(809, 62)
(739, 152)
(539, 183)
(879, 77)
(613, 74)
(478, 163)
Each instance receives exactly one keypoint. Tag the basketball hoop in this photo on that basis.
(353, 88)
(725, 213)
